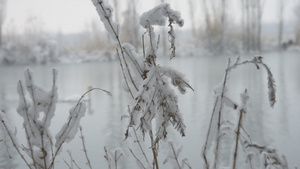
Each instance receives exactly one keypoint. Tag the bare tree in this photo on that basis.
(252, 11)
(130, 25)
(2, 16)
(260, 7)
(192, 11)
(215, 20)
(280, 24)
(297, 28)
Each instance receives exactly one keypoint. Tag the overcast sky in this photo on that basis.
(72, 16)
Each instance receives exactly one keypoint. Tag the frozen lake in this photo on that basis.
(278, 127)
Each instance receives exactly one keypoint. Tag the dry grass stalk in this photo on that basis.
(72, 160)
(257, 61)
(107, 158)
(242, 111)
(137, 159)
(141, 148)
(84, 148)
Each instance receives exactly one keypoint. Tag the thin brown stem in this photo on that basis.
(140, 146)
(154, 151)
(129, 73)
(143, 40)
(72, 160)
(207, 136)
(107, 92)
(134, 61)
(52, 95)
(43, 150)
(84, 148)
(237, 138)
(14, 144)
(138, 160)
(126, 81)
(175, 155)
(116, 160)
(220, 117)
(107, 158)
(30, 147)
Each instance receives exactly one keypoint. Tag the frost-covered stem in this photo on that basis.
(32, 94)
(219, 118)
(138, 160)
(84, 148)
(140, 146)
(129, 73)
(271, 82)
(43, 149)
(107, 158)
(117, 38)
(186, 163)
(150, 35)
(14, 144)
(207, 136)
(138, 68)
(67, 164)
(175, 155)
(26, 107)
(72, 160)
(126, 81)
(116, 160)
(154, 150)
(237, 138)
(52, 95)
(51, 144)
(143, 40)
(157, 43)
(63, 133)
(30, 147)
(247, 134)
(107, 92)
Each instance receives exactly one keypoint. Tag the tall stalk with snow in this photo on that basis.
(148, 83)
(218, 124)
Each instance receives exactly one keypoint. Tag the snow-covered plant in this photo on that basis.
(148, 83)
(217, 122)
(37, 111)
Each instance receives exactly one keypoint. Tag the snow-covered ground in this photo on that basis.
(277, 127)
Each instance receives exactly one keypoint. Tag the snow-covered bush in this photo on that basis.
(40, 51)
(148, 83)
(37, 111)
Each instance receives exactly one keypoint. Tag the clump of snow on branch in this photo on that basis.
(156, 99)
(158, 16)
(105, 12)
(70, 128)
